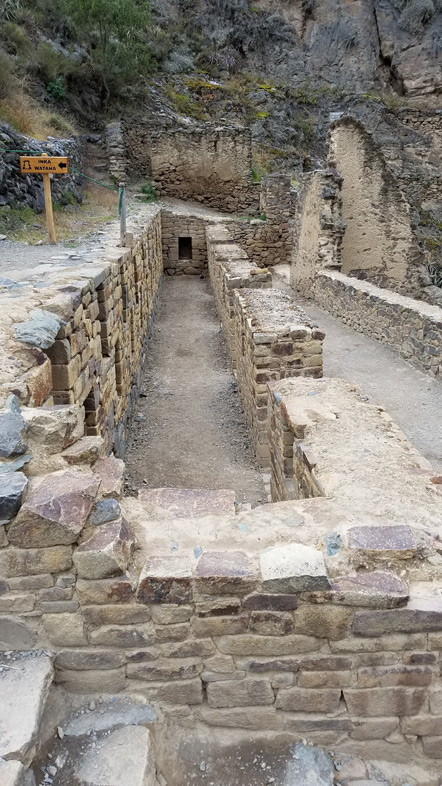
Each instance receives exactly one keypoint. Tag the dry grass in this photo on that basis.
(30, 118)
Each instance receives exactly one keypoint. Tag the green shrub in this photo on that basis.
(148, 190)
(56, 88)
(15, 218)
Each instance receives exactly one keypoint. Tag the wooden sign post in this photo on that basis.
(46, 165)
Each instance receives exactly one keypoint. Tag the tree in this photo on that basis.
(116, 35)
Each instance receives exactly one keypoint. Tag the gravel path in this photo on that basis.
(190, 431)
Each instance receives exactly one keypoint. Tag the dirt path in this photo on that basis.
(190, 430)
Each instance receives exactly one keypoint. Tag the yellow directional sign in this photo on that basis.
(56, 165)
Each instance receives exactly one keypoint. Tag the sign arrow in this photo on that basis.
(62, 166)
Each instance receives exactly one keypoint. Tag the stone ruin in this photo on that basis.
(316, 616)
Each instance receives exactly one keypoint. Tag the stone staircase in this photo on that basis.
(48, 738)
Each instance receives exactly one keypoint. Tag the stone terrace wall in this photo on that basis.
(100, 319)
(411, 327)
(274, 339)
(319, 229)
(210, 165)
(176, 224)
(270, 241)
(230, 269)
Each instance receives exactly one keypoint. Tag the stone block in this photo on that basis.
(187, 692)
(271, 623)
(325, 663)
(267, 646)
(165, 669)
(165, 580)
(193, 648)
(55, 427)
(377, 590)
(293, 568)
(25, 562)
(322, 621)
(219, 626)
(395, 675)
(126, 636)
(393, 643)
(432, 747)
(115, 615)
(308, 700)
(84, 451)
(325, 679)
(385, 701)
(191, 503)
(169, 615)
(14, 603)
(240, 693)
(105, 591)
(435, 695)
(110, 470)
(104, 510)
(396, 542)
(253, 718)
(221, 607)
(422, 725)
(376, 623)
(306, 723)
(87, 660)
(55, 510)
(125, 757)
(224, 573)
(373, 728)
(92, 681)
(12, 427)
(106, 553)
(65, 630)
(286, 665)
(261, 602)
(12, 488)
(15, 635)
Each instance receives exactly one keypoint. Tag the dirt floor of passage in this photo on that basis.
(190, 429)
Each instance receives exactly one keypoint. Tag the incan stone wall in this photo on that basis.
(411, 327)
(379, 244)
(184, 243)
(319, 229)
(268, 240)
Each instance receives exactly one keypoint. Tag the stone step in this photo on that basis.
(106, 742)
(25, 680)
(12, 773)
(190, 503)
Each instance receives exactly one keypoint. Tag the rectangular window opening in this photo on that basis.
(184, 248)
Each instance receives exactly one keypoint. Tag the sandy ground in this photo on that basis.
(190, 429)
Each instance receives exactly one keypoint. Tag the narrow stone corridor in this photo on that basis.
(190, 429)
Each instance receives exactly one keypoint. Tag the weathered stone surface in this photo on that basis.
(375, 623)
(198, 648)
(422, 725)
(224, 573)
(271, 623)
(310, 767)
(308, 700)
(373, 728)
(306, 723)
(85, 660)
(55, 510)
(240, 693)
(260, 602)
(15, 635)
(170, 615)
(433, 747)
(54, 428)
(115, 615)
(104, 510)
(24, 691)
(13, 603)
(325, 663)
(385, 701)
(107, 553)
(84, 451)
(267, 645)
(177, 632)
(219, 607)
(399, 540)
(165, 580)
(109, 714)
(65, 630)
(293, 568)
(142, 635)
(110, 470)
(259, 718)
(219, 626)
(270, 664)
(435, 695)
(104, 591)
(12, 442)
(40, 330)
(189, 503)
(165, 669)
(377, 590)
(12, 773)
(325, 679)
(394, 643)
(29, 562)
(395, 675)
(323, 621)
(12, 488)
(107, 681)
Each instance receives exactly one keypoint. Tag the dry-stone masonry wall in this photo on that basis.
(184, 243)
(319, 229)
(411, 327)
